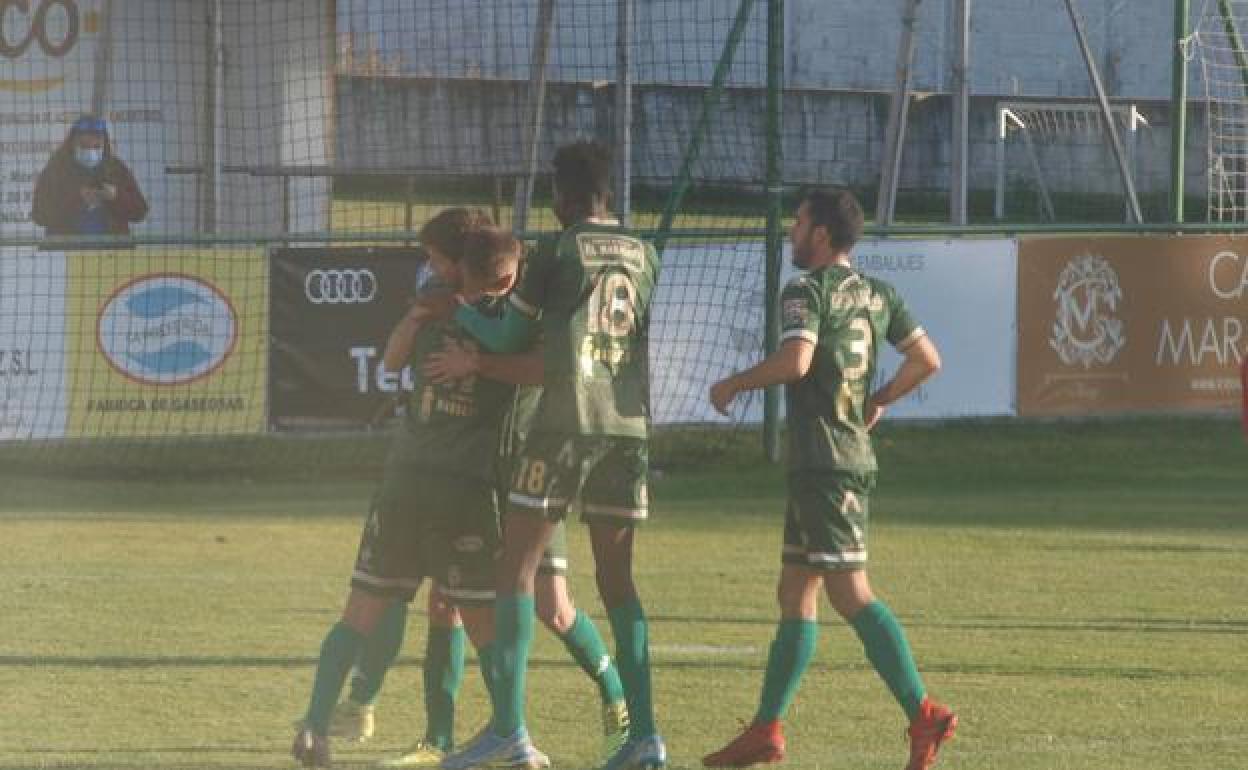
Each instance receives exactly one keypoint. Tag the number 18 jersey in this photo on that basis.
(591, 285)
(846, 316)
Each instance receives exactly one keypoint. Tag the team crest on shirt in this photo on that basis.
(796, 313)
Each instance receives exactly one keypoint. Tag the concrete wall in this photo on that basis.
(1019, 46)
(466, 63)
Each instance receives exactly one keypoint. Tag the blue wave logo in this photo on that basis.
(167, 329)
(160, 301)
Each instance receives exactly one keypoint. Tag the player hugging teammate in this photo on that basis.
(436, 515)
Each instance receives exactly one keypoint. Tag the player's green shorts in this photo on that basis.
(429, 525)
(555, 558)
(607, 473)
(825, 523)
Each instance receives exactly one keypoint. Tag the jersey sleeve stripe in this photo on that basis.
(524, 307)
(800, 334)
(911, 338)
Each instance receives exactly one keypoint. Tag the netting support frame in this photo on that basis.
(899, 107)
(1094, 74)
(722, 67)
(624, 111)
(775, 216)
(535, 114)
(1178, 108)
(961, 139)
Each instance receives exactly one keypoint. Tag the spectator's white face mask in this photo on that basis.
(89, 157)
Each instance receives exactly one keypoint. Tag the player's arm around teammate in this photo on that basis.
(415, 502)
(833, 321)
(589, 290)
(553, 599)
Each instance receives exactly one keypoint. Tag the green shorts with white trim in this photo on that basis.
(825, 523)
(606, 473)
(421, 525)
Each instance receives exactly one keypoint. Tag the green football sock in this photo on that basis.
(889, 652)
(632, 655)
(587, 649)
(489, 671)
(443, 673)
(338, 652)
(380, 651)
(787, 660)
(513, 622)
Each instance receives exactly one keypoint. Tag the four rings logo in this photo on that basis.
(340, 286)
(1086, 331)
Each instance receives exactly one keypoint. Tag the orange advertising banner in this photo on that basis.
(1131, 324)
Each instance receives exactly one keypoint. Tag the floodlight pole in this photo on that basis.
(895, 137)
(775, 214)
(534, 115)
(1115, 141)
(961, 113)
(623, 111)
(1178, 109)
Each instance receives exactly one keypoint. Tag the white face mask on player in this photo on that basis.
(89, 157)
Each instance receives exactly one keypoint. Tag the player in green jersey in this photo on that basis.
(459, 264)
(834, 320)
(436, 511)
(588, 290)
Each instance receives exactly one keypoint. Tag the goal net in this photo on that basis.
(1055, 161)
(1224, 70)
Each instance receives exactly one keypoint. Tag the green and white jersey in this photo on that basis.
(453, 427)
(591, 287)
(847, 316)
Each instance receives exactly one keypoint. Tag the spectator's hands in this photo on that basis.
(90, 196)
(455, 362)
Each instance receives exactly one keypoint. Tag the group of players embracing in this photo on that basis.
(531, 395)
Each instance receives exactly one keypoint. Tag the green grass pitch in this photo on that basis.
(1075, 591)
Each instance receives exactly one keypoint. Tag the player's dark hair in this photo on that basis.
(448, 230)
(488, 250)
(583, 176)
(839, 212)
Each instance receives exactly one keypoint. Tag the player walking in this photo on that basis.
(834, 320)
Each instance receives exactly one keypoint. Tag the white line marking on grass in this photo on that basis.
(703, 649)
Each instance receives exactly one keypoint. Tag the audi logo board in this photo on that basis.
(332, 310)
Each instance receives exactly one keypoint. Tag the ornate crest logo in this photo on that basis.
(1087, 295)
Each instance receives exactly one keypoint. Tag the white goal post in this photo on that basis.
(1061, 146)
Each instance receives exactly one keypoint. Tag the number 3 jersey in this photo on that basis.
(591, 286)
(847, 316)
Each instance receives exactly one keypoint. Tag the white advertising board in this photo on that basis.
(707, 322)
(965, 294)
(32, 345)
